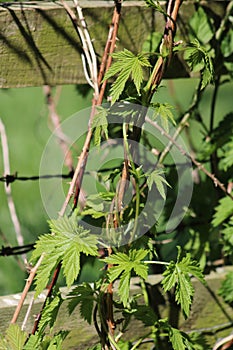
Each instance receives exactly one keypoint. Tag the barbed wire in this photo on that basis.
(10, 178)
(18, 250)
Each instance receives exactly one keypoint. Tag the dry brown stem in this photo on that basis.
(26, 289)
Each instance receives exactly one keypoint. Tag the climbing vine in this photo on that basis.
(125, 248)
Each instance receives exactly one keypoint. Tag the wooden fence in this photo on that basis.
(39, 44)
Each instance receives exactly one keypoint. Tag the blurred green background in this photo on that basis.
(25, 115)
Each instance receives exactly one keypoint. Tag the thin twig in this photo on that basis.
(27, 313)
(182, 123)
(109, 49)
(75, 184)
(26, 289)
(10, 201)
(225, 343)
(49, 294)
(93, 66)
(199, 165)
(167, 45)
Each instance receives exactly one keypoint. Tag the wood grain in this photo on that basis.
(39, 45)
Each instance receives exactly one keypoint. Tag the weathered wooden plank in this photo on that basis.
(39, 45)
(205, 312)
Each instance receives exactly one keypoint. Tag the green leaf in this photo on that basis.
(226, 290)
(33, 342)
(201, 25)
(177, 340)
(199, 341)
(155, 5)
(124, 287)
(227, 44)
(3, 343)
(223, 211)
(227, 238)
(126, 65)
(163, 110)
(227, 160)
(199, 58)
(50, 312)
(71, 262)
(190, 266)
(156, 177)
(184, 292)
(66, 243)
(84, 295)
(123, 269)
(170, 276)
(178, 275)
(100, 124)
(15, 337)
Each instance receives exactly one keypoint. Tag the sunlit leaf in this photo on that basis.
(223, 211)
(127, 65)
(123, 266)
(178, 275)
(157, 178)
(67, 241)
(164, 111)
(100, 124)
(15, 337)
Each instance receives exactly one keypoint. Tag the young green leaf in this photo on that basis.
(84, 295)
(66, 243)
(156, 177)
(199, 58)
(50, 312)
(227, 160)
(163, 110)
(15, 337)
(178, 275)
(33, 342)
(126, 65)
(156, 5)
(199, 341)
(226, 290)
(39, 342)
(179, 340)
(100, 124)
(124, 266)
(56, 342)
(223, 211)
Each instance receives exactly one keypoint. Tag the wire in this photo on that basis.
(8, 179)
(7, 251)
